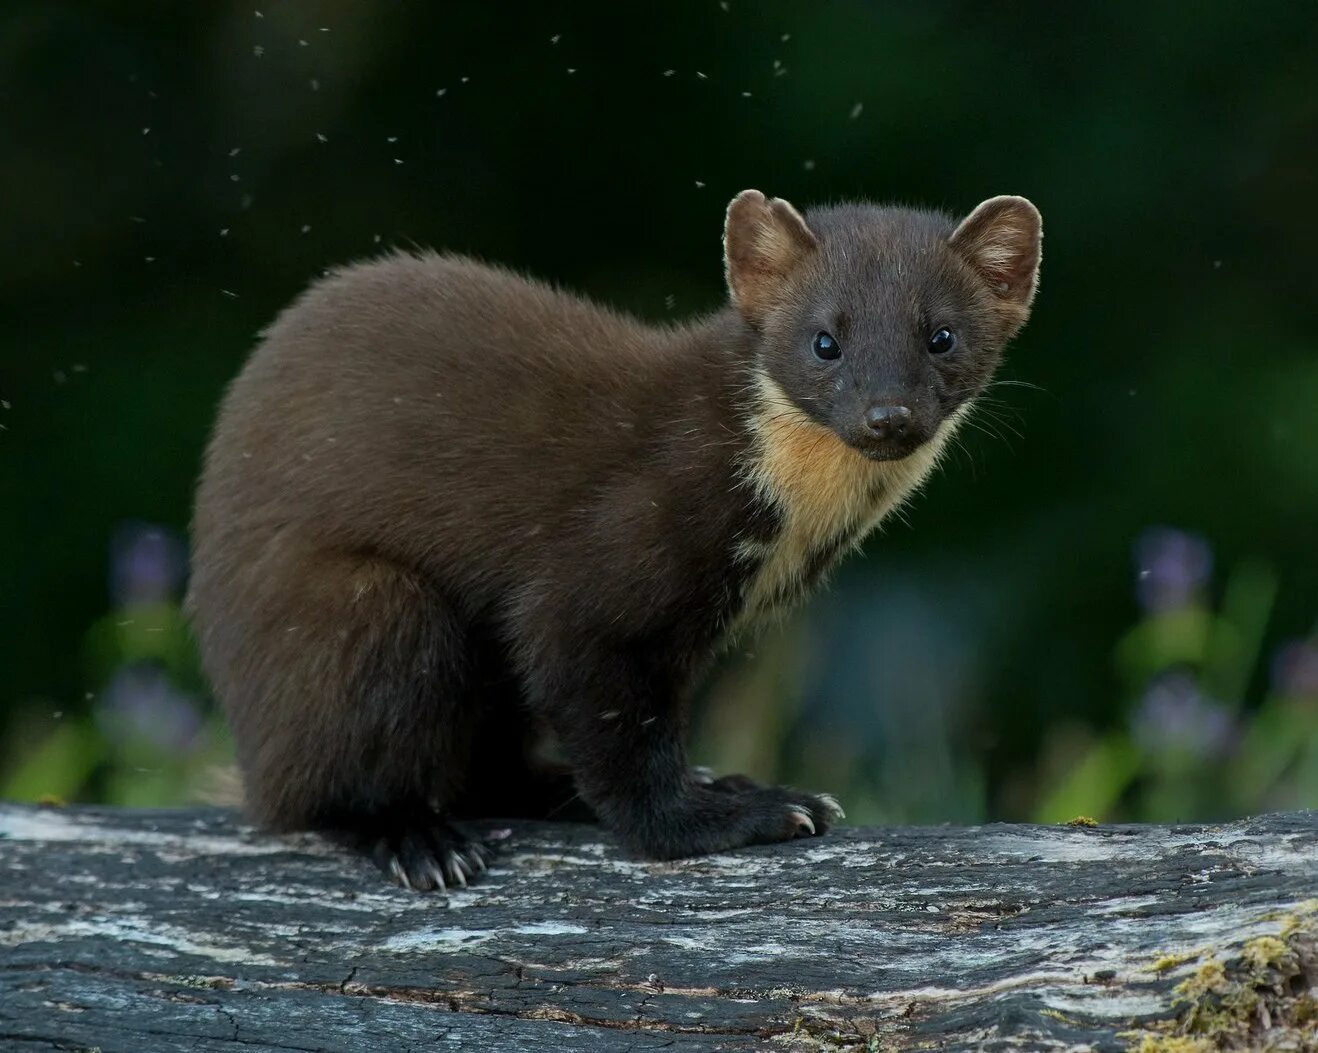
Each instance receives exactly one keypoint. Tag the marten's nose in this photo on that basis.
(888, 421)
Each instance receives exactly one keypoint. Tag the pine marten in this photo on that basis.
(446, 508)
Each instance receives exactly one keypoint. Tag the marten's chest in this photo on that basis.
(822, 499)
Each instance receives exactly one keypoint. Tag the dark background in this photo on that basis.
(174, 173)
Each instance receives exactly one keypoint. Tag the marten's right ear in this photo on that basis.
(764, 240)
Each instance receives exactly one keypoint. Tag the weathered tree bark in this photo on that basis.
(178, 930)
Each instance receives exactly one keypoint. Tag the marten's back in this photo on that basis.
(441, 413)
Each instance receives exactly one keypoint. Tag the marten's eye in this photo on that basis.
(826, 347)
(942, 341)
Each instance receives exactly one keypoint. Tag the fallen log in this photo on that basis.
(188, 930)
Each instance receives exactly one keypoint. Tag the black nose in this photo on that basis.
(888, 422)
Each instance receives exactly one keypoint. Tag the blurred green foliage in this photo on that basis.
(174, 174)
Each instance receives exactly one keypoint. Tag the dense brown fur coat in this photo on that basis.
(445, 506)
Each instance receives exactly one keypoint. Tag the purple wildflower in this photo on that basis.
(1172, 568)
(147, 564)
(140, 703)
(1295, 669)
(1174, 714)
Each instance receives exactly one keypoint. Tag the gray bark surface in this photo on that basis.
(188, 930)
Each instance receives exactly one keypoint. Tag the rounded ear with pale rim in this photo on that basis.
(764, 241)
(1002, 239)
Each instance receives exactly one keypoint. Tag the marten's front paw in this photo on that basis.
(431, 857)
(807, 814)
(821, 810)
(715, 819)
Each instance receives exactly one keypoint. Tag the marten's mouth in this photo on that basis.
(887, 451)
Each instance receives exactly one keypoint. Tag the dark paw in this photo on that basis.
(786, 813)
(431, 857)
(812, 813)
(710, 818)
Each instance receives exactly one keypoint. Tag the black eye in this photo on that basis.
(826, 347)
(942, 341)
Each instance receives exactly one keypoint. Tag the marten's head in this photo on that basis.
(880, 323)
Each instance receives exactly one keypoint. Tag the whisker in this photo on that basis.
(1018, 384)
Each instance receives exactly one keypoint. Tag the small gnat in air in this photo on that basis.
(258, 50)
(669, 72)
(230, 294)
(306, 228)
(322, 137)
(700, 183)
(857, 110)
(556, 38)
(235, 151)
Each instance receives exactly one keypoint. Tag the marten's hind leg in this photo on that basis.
(357, 718)
(513, 772)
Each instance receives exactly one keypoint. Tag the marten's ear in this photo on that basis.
(1002, 239)
(764, 240)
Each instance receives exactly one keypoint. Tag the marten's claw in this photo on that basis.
(804, 821)
(702, 775)
(397, 873)
(436, 876)
(459, 869)
(835, 811)
(478, 858)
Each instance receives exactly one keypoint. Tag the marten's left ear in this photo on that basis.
(764, 240)
(1001, 240)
